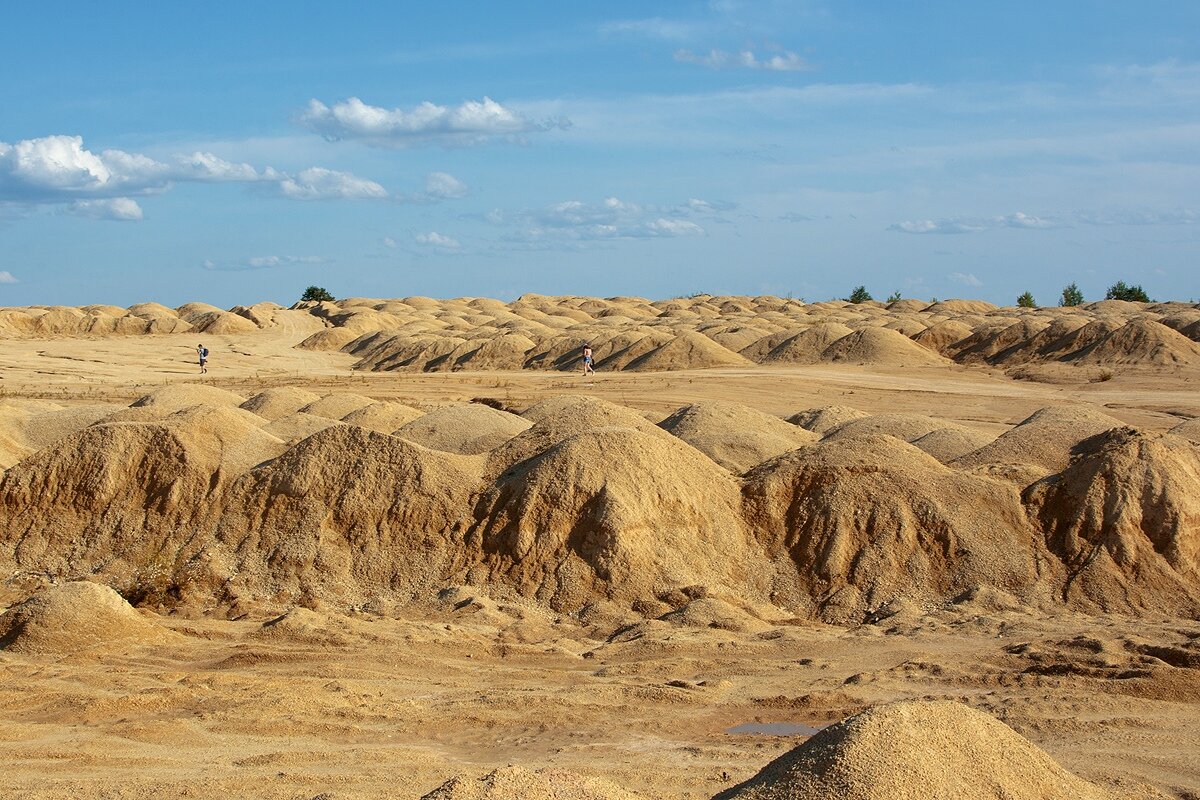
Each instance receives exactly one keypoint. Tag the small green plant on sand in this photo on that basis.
(859, 295)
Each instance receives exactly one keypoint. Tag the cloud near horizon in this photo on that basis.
(472, 122)
(7, 277)
(956, 225)
(59, 170)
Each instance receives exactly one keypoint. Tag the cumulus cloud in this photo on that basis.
(444, 186)
(59, 170)
(784, 61)
(318, 183)
(965, 278)
(121, 209)
(612, 218)
(7, 277)
(472, 122)
(437, 240)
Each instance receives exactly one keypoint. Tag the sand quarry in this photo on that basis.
(403, 549)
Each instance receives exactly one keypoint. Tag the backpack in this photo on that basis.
(204, 352)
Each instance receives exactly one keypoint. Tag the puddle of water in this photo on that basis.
(773, 729)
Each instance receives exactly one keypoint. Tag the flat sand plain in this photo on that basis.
(330, 699)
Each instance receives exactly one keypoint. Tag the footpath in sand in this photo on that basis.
(330, 568)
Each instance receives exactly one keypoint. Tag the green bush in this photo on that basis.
(1026, 301)
(1071, 296)
(1119, 291)
(859, 295)
(316, 293)
(894, 296)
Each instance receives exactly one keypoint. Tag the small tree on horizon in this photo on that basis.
(1119, 291)
(1071, 296)
(1026, 301)
(859, 295)
(317, 294)
(894, 296)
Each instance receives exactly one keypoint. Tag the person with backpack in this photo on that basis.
(202, 352)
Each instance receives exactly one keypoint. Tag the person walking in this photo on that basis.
(202, 354)
(587, 361)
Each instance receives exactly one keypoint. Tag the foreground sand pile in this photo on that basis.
(72, 617)
(193, 498)
(538, 332)
(916, 751)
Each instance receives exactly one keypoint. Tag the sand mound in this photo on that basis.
(1141, 341)
(383, 417)
(943, 337)
(1044, 439)
(518, 782)
(947, 444)
(44, 429)
(806, 347)
(1125, 518)
(713, 612)
(558, 418)
(824, 419)
(880, 346)
(689, 350)
(276, 403)
(908, 427)
(337, 405)
(347, 513)
(919, 751)
(220, 322)
(469, 429)
(178, 396)
(234, 437)
(615, 514)
(868, 519)
(735, 436)
(329, 339)
(293, 428)
(72, 617)
(1189, 430)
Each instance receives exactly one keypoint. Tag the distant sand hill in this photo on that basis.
(629, 333)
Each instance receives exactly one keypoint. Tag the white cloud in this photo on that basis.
(612, 218)
(59, 170)
(654, 28)
(965, 278)
(122, 209)
(318, 183)
(7, 277)
(261, 262)
(442, 185)
(473, 122)
(785, 61)
(389, 242)
(956, 225)
(438, 240)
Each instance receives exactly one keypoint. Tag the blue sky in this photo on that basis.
(236, 152)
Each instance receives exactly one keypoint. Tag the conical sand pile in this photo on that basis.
(916, 751)
(1125, 519)
(570, 531)
(880, 346)
(735, 436)
(868, 519)
(469, 429)
(72, 617)
(1043, 440)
